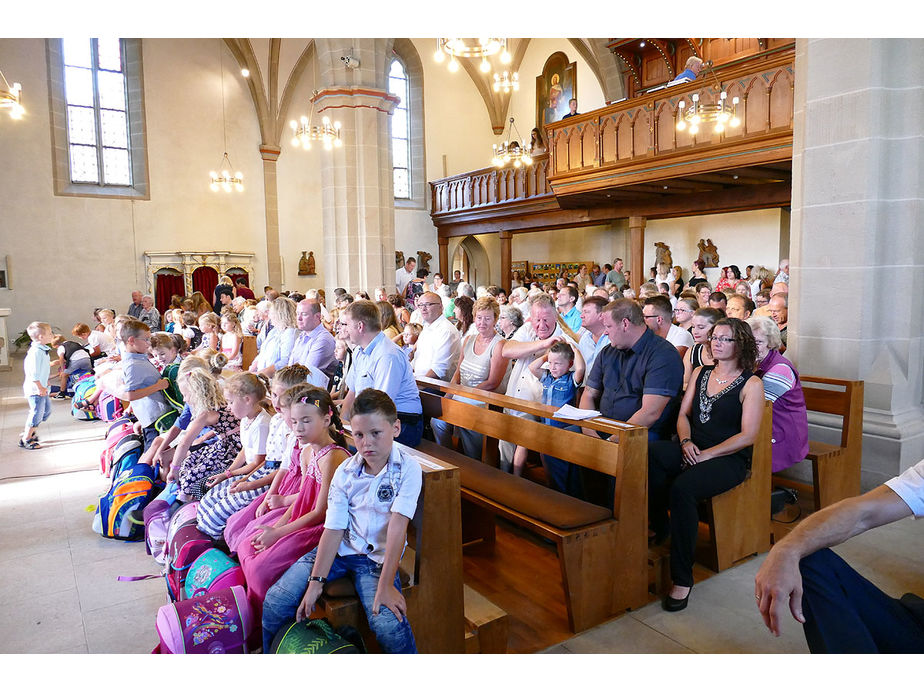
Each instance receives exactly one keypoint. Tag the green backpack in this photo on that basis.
(316, 636)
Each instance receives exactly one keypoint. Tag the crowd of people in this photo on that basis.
(263, 450)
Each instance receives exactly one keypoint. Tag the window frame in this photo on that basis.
(137, 138)
(405, 106)
(406, 53)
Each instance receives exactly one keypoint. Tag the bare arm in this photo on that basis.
(386, 594)
(132, 395)
(687, 368)
(324, 559)
(516, 350)
(778, 583)
(535, 367)
(589, 400)
(498, 368)
(650, 411)
(579, 366)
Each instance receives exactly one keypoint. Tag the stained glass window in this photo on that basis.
(97, 111)
(400, 130)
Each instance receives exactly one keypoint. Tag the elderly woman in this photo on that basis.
(782, 387)
(277, 346)
(509, 321)
(481, 366)
(718, 423)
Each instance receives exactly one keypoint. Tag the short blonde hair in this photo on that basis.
(487, 303)
(35, 329)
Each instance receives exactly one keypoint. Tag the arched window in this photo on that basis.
(400, 130)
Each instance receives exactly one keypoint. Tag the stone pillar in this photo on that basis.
(270, 153)
(356, 178)
(637, 252)
(857, 287)
(506, 259)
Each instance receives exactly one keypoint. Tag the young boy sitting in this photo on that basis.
(559, 382)
(37, 367)
(139, 374)
(372, 498)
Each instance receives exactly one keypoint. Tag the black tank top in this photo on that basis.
(717, 418)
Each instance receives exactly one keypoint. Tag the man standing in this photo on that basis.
(567, 307)
(615, 275)
(149, 315)
(658, 314)
(439, 343)
(405, 275)
(597, 276)
(135, 308)
(572, 109)
(779, 311)
(380, 364)
(314, 346)
(592, 338)
(242, 289)
(582, 279)
(456, 278)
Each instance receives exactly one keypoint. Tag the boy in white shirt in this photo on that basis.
(37, 367)
(372, 498)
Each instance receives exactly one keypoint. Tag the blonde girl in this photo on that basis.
(232, 340)
(211, 331)
(191, 468)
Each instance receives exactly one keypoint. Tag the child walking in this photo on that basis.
(372, 498)
(37, 367)
(272, 548)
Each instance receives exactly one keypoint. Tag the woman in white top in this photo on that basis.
(482, 366)
(277, 346)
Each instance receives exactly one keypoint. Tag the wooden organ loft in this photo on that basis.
(627, 160)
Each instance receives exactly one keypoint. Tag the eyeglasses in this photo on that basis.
(682, 310)
(650, 317)
(428, 305)
(723, 340)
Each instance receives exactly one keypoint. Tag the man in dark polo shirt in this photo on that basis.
(636, 379)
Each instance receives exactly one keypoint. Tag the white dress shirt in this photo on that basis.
(438, 349)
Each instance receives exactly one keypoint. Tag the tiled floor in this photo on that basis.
(59, 593)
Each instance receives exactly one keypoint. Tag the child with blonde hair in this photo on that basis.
(37, 367)
(210, 326)
(232, 340)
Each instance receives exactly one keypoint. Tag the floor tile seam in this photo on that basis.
(665, 635)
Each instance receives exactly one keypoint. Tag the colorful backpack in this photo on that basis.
(113, 438)
(157, 516)
(132, 486)
(187, 545)
(212, 571)
(109, 407)
(74, 378)
(131, 443)
(215, 623)
(316, 636)
(84, 389)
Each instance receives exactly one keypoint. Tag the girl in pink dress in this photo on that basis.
(267, 552)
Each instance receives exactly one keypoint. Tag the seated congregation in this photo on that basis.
(253, 447)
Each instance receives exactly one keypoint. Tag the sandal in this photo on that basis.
(29, 444)
(83, 406)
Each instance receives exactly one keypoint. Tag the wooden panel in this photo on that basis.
(608, 139)
(781, 100)
(589, 145)
(665, 127)
(575, 160)
(641, 133)
(624, 148)
(654, 70)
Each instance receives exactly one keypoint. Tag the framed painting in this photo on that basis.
(555, 87)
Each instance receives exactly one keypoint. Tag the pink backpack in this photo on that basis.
(187, 545)
(215, 623)
(211, 572)
(113, 438)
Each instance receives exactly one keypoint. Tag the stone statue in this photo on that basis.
(663, 255)
(708, 253)
(423, 260)
(311, 270)
(399, 259)
(303, 264)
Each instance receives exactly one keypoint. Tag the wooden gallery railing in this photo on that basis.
(491, 186)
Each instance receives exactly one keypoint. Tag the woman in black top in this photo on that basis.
(718, 423)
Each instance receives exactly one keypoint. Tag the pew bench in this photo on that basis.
(602, 553)
(835, 468)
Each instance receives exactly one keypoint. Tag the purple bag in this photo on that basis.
(187, 545)
(215, 623)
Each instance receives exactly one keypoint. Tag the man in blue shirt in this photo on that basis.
(380, 364)
(567, 307)
(314, 345)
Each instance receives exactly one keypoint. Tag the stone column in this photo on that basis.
(356, 178)
(857, 287)
(637, 252)
(270, 153)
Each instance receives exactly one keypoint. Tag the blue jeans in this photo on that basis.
(283, 598)
(411, 432)
(39, 409)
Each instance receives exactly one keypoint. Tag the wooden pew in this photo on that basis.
(248, 351)
(739, 519)
(431, 569)
(602, 554)
(835, 468)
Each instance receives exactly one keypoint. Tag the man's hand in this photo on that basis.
(778, 585)
(388, 595)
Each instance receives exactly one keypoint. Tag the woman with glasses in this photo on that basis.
(783, 388)
(718, 423)
(683, 312)
(700, 355)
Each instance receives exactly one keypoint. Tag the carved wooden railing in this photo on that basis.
(491, 186)
(644, 128)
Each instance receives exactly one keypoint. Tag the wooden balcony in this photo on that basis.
(628, 159)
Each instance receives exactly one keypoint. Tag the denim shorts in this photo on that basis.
(39, 409)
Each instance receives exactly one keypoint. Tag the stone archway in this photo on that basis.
(471, 257)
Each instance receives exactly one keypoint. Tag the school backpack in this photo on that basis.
(73, 379)
(213, 570)
(157, 516)
(316, 636)
(215, 623)
(109, 407)
(130, 443)
(83, 389)
(132, 487)
(187, 544)
(113, 438)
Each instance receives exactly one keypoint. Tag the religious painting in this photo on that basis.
(555, 87)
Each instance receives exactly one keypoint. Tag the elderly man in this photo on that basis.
(782, 275)
(615, 275)
(779, 311)
(439, 343)
(739, 307)
(529, 342)
(379, 363)
(314, 346)
(567, 307)
(405, 275)
(135, 308)
(149, 315)
(658, 314)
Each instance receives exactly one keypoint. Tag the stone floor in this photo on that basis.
(59, 593)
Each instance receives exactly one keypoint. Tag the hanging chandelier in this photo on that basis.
(482, 48)
(722, 113)
(225, 181)
(512, 151)
(507, 82)
(304, 133)
(11, 98)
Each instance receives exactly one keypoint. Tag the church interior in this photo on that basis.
(203, 169)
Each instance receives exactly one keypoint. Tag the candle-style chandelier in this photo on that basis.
(304, 132)
(507, 82)
(482, 48)
(512, 151)
(722, 113)
(223, 180)
(11, 98)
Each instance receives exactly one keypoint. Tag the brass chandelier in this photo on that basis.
(482, 48)
(11, 98)
(512, 152)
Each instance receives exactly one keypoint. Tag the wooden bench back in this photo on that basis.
(248, 351)
(845, 401)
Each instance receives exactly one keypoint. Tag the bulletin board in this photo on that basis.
(548, 272)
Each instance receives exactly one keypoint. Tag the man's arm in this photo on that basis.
(515, 350)
(650, 411)
(589, 400)
(778, 583)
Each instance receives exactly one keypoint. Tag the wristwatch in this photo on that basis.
(315, 578)
(685, 441)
